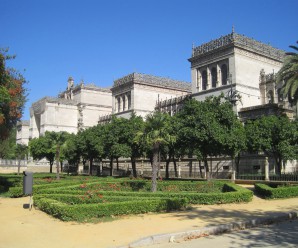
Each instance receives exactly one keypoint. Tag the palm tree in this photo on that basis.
(156, 132)
(289, 74)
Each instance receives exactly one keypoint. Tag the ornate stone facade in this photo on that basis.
(77, 108)
(140, 93)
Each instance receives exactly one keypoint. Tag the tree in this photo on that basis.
(7, 146)
(12, 95)
(210, 128)
(156, 132)
(42, 148)
(21, 152)
(289, 74)
(91, 144)
(71, 150)
(275, 136)
(57, 140)
(115, 140)
(134, 125)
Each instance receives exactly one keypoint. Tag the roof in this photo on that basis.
(241, 41)
(153, 80)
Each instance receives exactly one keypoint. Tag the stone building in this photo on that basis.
(140, 93)
(237, 66)
(22, 132)
(76, 108)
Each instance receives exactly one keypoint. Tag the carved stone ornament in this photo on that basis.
(241, 41)
(152, 80)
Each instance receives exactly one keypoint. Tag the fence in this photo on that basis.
(12, 162)
(283, 177)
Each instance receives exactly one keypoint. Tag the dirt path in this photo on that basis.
(20, 227)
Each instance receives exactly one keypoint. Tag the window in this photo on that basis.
(204, 80)
(128, 101)
(119, 104)
(123, 99)
(214, 77)
(224, 74)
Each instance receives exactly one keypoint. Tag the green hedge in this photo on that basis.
(276, 191)
(79, 206)
(87, 212)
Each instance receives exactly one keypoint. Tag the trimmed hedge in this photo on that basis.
(87, 212)
(276, 191)
(71, 204)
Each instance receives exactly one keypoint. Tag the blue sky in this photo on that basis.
(100, 41)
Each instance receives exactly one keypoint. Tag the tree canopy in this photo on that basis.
(289, 74)
(12, 95)
(275, 136)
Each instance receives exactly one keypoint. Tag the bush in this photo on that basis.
(276, 191)
(87, 212)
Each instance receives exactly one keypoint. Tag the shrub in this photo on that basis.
(86, 212)
(276, 191)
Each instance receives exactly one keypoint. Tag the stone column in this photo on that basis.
(208, 78)
(266, 168)
(199, 81)
(219, 82)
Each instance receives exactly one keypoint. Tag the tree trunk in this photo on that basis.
(111, 167)
(206, 168)
(233, 178)
(190, 169)
(278, 165)
(61, 166)
(200, 167)
(19, 165)
(167, 167)
(158, 166)
(57, 162)
(51, 166)
(134, 167)
(155, 151)
(90, 166)
(175, 167)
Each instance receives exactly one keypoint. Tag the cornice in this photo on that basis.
(237, 40)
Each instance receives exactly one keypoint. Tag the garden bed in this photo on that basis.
(85, 199)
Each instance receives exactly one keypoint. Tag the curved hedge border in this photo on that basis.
(280, 191)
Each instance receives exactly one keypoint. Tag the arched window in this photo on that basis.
(204, 80)
(128, 101)
(224, 74)
(214, 77)
(123, 99)
(119, 104)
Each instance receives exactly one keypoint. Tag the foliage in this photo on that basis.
(8, 145)
(210, 128)
(71, 150)
(155, 133)
(133, 126)
(289, 74)
(90, 143)
(12, 95)
(282, 191)
(276, 136)
(42, 148)
(57, 140)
